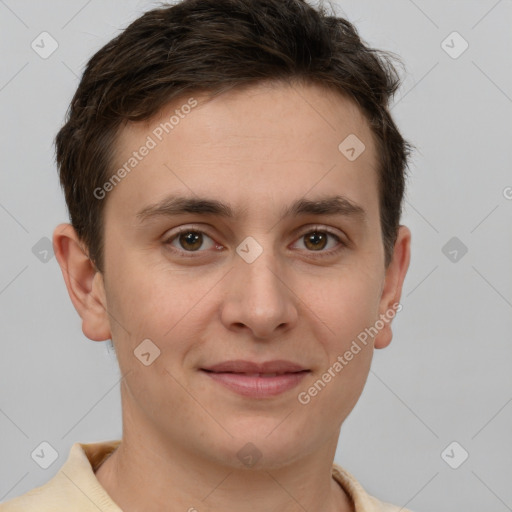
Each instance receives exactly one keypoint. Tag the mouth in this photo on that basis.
(257, 380)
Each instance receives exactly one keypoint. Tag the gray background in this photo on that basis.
(446, 376)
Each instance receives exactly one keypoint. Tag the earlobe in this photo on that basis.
(83, 282)
(393, 282)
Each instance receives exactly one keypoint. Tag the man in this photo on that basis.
(234, 181)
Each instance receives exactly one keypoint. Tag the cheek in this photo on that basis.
(347, 304)
(140, 291)
(347, 310)
(156, 303)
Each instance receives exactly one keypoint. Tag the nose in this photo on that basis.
(260, 298)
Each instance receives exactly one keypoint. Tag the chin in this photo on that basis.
(264, 445)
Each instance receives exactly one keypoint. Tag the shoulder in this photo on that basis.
(75, 483)
(363, 502)
(35, 499)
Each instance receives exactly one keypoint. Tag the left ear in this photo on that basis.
(393, 281)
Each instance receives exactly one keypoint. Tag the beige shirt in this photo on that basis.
(75, 487)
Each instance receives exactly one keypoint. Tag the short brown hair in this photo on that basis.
(213, 46)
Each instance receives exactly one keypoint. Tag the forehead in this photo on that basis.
(265, 141)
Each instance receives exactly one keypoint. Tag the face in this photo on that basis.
(278, 280)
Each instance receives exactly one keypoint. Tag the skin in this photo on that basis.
(259, 150)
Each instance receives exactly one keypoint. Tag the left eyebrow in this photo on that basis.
(327, 205)
(331, 205)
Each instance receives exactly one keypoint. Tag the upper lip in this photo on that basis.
(241, 366)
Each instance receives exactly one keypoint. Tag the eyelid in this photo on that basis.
(318, 227)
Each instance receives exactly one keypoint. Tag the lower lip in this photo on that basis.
(258, 387)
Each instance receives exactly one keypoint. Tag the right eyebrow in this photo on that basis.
(173, 205)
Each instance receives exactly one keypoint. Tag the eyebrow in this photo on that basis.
(176, 205)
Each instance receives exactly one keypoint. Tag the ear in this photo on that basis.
(392, 288)
(84, 283)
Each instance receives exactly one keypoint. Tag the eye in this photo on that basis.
(190, 240)
(317, 239)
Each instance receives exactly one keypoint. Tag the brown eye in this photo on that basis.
(315, 240)
(321, 241)
(191, 240)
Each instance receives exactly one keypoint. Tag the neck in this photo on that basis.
(155, 469)
(137, 477)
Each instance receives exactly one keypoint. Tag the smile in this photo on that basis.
(258, 385)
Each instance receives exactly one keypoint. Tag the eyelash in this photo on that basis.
(194, 254)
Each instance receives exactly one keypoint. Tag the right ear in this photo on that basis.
(84, 283)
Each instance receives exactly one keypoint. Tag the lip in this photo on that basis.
(257, 380)
(241, 366)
